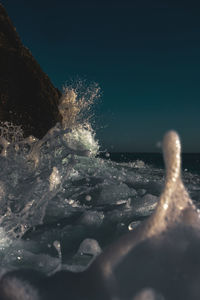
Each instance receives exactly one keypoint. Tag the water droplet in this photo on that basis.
(133, 225)
(107, 155)
(88, 198)
(165, 206)
(58, 248)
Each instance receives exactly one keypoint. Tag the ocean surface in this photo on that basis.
(190, 161)
(62, 200)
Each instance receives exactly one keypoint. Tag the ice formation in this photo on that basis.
(158, 258)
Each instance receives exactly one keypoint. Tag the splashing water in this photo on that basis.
(76, 113)
(11, 133)
(83, 140)
(32, 167)
(76, 104)
(55, 193)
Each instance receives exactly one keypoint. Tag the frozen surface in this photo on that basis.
(50, 192)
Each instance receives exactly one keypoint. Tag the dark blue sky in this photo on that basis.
(144, 54)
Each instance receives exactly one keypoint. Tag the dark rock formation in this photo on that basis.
(27, 96)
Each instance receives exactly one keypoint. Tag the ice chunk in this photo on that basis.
(145, 205)
(54, 179)
(89, 247)
(91, 218)
(112, 193)
(4, 240)
(141, 192)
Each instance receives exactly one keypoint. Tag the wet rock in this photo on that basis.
(27, 96)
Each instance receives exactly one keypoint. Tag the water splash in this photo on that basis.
(76, 104)
(36, 170)
(10, 132)
(82, 139)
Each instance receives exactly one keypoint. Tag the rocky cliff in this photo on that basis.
(27, 96)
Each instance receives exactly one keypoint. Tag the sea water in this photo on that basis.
(62, 200)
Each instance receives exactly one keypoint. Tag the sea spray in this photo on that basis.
(76, 110)
(76, 104)
(82, 139)
(75, 129)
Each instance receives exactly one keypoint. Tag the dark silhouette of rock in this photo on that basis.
(27, 96)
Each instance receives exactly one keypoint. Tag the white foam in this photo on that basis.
(82, 140)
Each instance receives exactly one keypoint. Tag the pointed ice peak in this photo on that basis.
(174, 204)
(174, 208)
(174, 199)
(172, 155)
